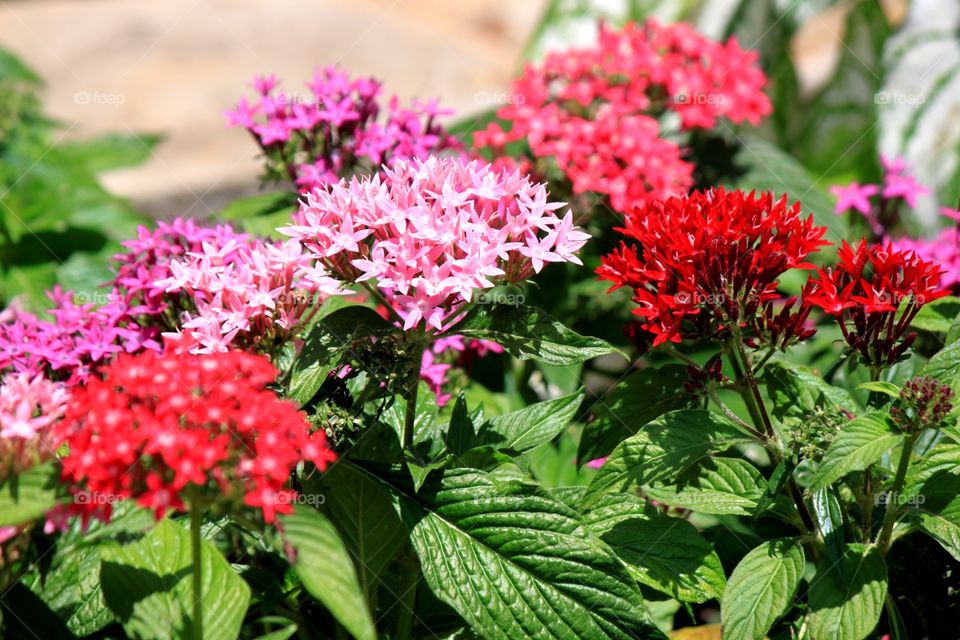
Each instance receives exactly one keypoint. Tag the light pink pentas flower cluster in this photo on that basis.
(335, 129)
(251, 294)
(29, 406)
(880, 204)
(596, 110)
(430, 232)
(942, 250)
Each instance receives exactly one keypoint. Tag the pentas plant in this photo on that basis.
(29, 408)
(881, 206)
(338, 128)
(426, 234)
(594, 111)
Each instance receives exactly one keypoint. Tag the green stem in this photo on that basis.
(409, 579)
(890, 518)
(196, 520)
(413, 386)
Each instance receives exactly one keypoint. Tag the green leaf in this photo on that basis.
(938, 316)
(148, 586)
(112, 151)
(797, 391)
(665, 553)
(886, 388)
(326, 570)
(364, 515)
(663, 450)
(72, 590)
(771, 169)
(29, 495)
(846, 598)
(516, 563)
(859, 444)
(762, 588)
(941, 461)
(944, 366)
(622, 411)
(531, 334)
(720, 486)
(460, 436)
(531, 426)
(327, 341)
(13, 68)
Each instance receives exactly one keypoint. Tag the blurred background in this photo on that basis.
(171, 67)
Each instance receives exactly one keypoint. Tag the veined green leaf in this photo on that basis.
(846, 598)
(859, 444)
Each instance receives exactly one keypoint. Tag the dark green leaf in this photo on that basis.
(621, 412)
(147, 585)
(29, 495)
(531, 426)
(859, 444)
(762, 588)
(326, 570)
(846, 599)
(721, 486)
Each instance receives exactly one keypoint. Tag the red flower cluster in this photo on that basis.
(712, 259)
(157, 428)
(594, 110)
(865, 292)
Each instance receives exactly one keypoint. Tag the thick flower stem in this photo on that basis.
(883, 540)
(196, 519)
(413, 386)
(758, 412)
(409, 579)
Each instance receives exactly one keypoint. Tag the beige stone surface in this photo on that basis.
(173, 67)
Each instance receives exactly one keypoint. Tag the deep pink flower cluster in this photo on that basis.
(73, 340)
(594, 110)
(430, 232)
(164, 429)
(251, 294)
(880, 204)
(334, 130)
(943, 250)
(446, 352)
(29, 407)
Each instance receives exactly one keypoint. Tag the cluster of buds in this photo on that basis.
(701, 379)
(923, 404)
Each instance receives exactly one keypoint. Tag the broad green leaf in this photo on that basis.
(665, 553)
(944, 366)
(886, 388)
(663, 450)
(938, 316)
(531, 426)
(148, 586)
(621, 412)
(531, 334)
(112, 151)
(796, 391)
(516, 563)
(771, 169)
(363, 514)
(825, 509)
(721, 486)
(72, 590)
(846, 598)
(859, 444)
(326, 342)
(761, 589)
(326, 570)
(27, 496)
(943, 460)
(936, 508)
(460, 436)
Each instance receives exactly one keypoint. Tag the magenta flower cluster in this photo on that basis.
(335, 129)
(430, 232)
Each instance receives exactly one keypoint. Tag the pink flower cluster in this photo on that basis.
(334, 130)
(253, 294)
(943, 250)
(73, 340)
(882, 213)
(437, 361)
(431, 231)
(29, 406)
(594, 110)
